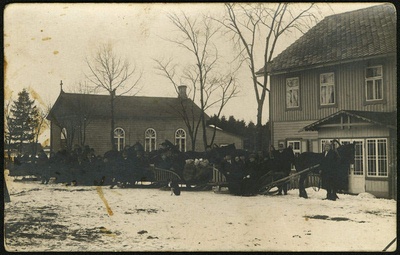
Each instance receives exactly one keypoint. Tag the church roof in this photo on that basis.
(368, 32)
(138, 107)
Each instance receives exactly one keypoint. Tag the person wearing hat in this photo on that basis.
(283, 158)
(328, 168)
(248, 187)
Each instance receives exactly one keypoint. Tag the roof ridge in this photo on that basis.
(127, 96)
(359, 10)
(342, 37)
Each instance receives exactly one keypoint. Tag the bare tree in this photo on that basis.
(248, 23)
(41, 124)
(202, 75)
(84, 110)
(83, 88)
(110, 72)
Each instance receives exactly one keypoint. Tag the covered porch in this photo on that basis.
(375, 137)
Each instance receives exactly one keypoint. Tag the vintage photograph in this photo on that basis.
(200, 127)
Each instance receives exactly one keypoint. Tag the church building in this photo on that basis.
(85, 119)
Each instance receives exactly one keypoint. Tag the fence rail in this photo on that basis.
(164, 175)
(218, 177)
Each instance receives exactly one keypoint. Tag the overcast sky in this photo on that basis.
(46, 43)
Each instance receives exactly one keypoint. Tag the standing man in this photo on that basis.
(328, 168)
(283, 158)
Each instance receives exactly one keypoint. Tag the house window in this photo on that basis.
(63, 138)
(374, 83)
(377, 157)
(292, 92)
(296, 146)
(327, 89)
(150, 140)
(358, 168)
(119, 138)
(180, 139)
(358, 158)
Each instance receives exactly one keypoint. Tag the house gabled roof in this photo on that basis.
(369, 32)
(386, 119)
(138, 107)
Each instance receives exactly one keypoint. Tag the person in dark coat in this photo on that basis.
(248, 187)
(328, 166)
(282, 164)
(236, 176)
(164, 162)
(226, 166)
(43, 166)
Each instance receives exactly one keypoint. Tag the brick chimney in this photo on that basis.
(182, 91)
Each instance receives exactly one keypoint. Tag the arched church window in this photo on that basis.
(119, 138)
(180, 139)
(150, 138)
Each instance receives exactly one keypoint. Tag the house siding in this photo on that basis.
(350, 91)
(378, 188)
(292, 131)
(354, 132)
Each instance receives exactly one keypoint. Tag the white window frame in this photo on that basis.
(296, 151)
(292, 92)
(327, 88)
(150, 140)
(359, 159)
(374, 160)
(119, 138)
(375, 82)
(180, 139)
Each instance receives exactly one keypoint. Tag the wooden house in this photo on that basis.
(338, 81)
(78, 119)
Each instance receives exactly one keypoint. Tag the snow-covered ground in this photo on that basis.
(54, 217)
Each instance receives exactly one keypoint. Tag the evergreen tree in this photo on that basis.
(23, 120)
(239, 127)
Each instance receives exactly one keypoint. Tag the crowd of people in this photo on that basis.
(81, 165)
(243, 173)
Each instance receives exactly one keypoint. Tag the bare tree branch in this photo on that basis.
(111, 73)
(197, 37)
(257, 22)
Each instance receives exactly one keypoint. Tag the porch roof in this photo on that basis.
(386, 119)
